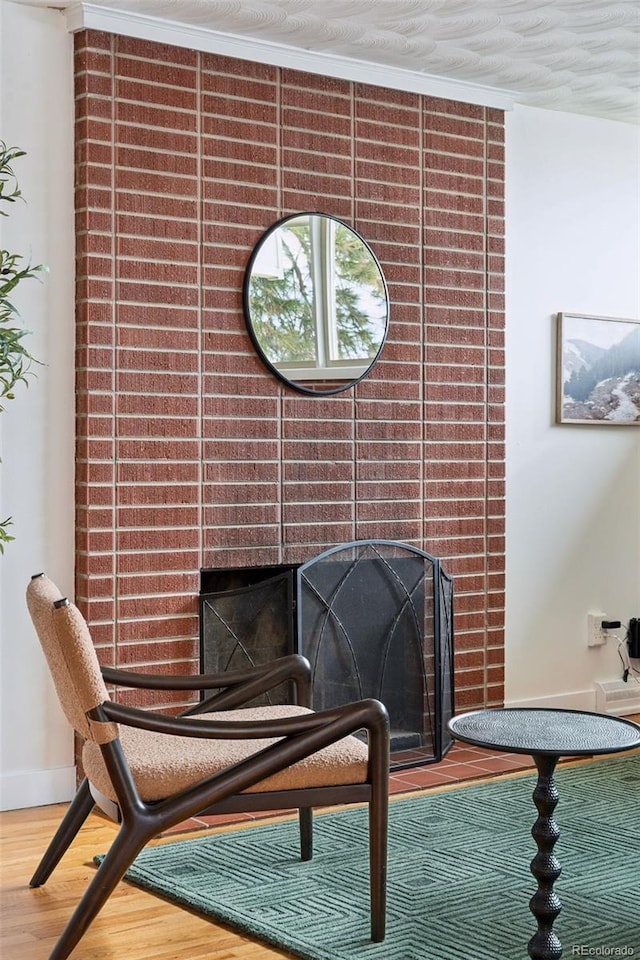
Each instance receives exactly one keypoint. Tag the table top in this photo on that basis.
(572, 733)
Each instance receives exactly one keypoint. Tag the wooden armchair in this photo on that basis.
(149, 771)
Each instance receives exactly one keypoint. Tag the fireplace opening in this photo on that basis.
(374, 618)
(247, 619)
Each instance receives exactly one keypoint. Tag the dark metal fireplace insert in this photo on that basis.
(374, 618)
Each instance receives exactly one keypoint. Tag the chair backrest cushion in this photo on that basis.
(68, 648)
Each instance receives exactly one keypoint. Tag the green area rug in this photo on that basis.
(459, 880)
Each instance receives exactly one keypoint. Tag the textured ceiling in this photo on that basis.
(582, 56)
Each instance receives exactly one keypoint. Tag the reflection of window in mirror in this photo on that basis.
(317, 300)
(268, 263)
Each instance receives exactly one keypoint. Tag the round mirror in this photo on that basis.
(316, 303)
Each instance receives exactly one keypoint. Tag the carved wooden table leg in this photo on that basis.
(545, 904)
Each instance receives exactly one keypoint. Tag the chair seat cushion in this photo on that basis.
(163, 764)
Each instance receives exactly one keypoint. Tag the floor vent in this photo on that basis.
(617, 697)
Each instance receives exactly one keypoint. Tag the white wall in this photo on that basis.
(573, 492)
(37, 428)
(573, 538)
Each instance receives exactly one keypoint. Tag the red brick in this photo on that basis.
(162, 652)
(211, 446)
(149, 561)
(158, 471)
(372, 131)
(149, 115)
(165, 73)
(150, 516)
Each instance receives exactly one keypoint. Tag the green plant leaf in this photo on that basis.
(4, 536)
(15, 359)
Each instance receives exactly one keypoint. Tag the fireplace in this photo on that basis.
(374, 618)
(190, 455)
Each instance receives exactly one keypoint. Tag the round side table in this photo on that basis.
(546, 735)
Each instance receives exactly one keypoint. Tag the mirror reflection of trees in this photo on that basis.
(361, 303)
(316, 295)
(281, 305)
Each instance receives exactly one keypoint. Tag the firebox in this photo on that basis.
(373, 617)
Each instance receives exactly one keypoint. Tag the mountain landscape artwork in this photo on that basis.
(598, 370)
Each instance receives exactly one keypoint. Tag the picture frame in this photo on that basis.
(598, 370)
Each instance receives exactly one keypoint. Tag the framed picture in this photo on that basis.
(598, 367)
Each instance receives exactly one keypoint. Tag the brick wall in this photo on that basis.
(190, 453)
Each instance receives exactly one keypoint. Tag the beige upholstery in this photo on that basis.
(72, 659)
(162, 764)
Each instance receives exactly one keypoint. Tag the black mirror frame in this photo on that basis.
(296, 385)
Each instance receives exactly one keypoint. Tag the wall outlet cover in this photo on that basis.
(596, 636)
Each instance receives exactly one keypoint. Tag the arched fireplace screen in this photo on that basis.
(375, 619)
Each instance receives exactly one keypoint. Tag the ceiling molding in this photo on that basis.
(92, 16)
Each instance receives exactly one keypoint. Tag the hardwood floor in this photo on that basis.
(134, 925)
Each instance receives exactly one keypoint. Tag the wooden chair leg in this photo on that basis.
(77, 812)
(378, 834)
(117, 861)
(378, 867)
(305, 817)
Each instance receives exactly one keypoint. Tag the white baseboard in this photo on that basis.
(37, 788)
(576, 700)
(613, 697)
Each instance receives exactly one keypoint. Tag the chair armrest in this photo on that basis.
(364, 713)
(238, 686)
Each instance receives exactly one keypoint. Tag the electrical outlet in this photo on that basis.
(596, 636)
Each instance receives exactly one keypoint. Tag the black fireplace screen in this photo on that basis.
(246, 620)
(373, 617)
(375, 620)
